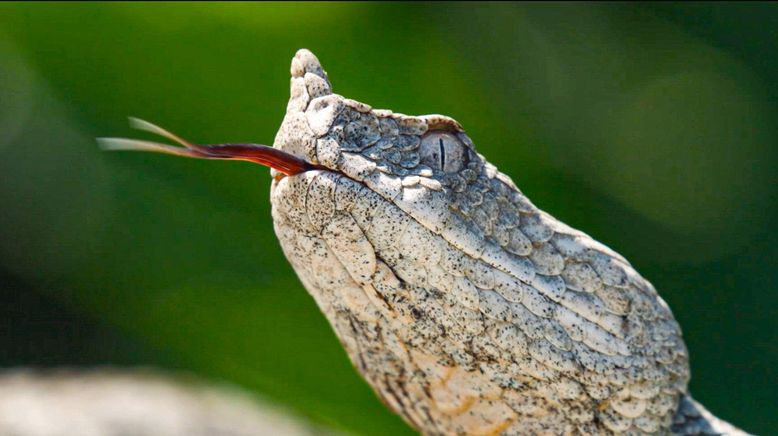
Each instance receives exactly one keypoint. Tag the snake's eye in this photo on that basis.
(443, 151)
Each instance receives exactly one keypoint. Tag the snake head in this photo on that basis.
(345, 135)
(426, 165)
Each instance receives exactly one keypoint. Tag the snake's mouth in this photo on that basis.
(285, 163)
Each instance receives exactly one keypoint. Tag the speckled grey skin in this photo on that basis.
(466, 308)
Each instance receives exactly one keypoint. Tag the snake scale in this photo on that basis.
(465, 307)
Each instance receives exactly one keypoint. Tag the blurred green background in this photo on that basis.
(650, 127)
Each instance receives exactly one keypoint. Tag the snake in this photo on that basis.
(465, 307)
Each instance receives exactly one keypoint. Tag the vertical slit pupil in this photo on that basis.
(442, 153)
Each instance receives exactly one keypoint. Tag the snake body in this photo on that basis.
(464, 306)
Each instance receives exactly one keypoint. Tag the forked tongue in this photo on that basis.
(257, 153)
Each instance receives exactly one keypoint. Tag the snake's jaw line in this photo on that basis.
(464, 306)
